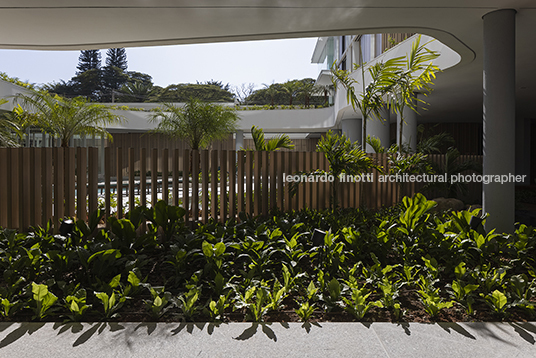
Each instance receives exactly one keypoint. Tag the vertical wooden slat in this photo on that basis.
(107, 181)
(93, 178)
(36, 201)
(249, 183)
(69, 171)
(131, 185)
(143, 177)
(240, 181)
(195, 185)
(264, 183)
(315, 164)
(119, 181)
(257, 182)
(303, 185)
(204, 184)
(280, 171)
(175, 175)
(288, 171)
(232, 184)
(58, 186)
(4, 190)
(294, 168)
(165, 175)
(326, 186)
(274, 162)
(223, 185)
(308, 186)
(154, 176)
(24, 192)
(214, 184)
(47, 184)
(81, 183)
(186, 184)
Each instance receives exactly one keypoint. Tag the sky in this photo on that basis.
(235, 63)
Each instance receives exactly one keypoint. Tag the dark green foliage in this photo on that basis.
(89, 60)
(182, 92)
(369, 262)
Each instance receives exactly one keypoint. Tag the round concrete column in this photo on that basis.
(409, 129)
(351, 128)
(499, 117)
(239, 141)
(379, 128)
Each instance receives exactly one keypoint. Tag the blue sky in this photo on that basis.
(255, 62)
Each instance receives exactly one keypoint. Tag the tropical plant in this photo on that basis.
(306, 90)
(65, 117)
(10, 127)
(272, 144)
(291, 88)
(271, 91)
(325, 90)
(370, 100)
(197, 122)
(343, 157)
(416, 75)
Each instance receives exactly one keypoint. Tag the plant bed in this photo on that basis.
(400, 264)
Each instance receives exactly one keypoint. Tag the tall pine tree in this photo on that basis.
(89, 60)
(117, 57)
(114, 74)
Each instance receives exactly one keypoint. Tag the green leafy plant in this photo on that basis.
(43, 300)
(76, 304)
(216, 309)
(305, 311)
(160, 302)
(272, 144)
(111, 303)
(343, 156)
(188, 303)
(358, 305)
(498, 301)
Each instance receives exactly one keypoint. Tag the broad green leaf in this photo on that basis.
(219, 249)
(207, 249)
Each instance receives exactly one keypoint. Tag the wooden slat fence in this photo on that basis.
(210, 184)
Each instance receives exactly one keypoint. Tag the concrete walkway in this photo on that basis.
(125, 340)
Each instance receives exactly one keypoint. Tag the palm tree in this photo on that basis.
(198, 123)
(306, 90)
(271, 91)
(370, 100)
(9, 128)
(291, 88)
(136, 91)
(343, 156)
(417, 74)
(65, 117)
(275, 143)
(325, 90)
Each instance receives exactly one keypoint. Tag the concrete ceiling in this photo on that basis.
(91, 24)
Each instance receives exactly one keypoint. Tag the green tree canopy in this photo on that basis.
(199, 123)
(65, 117)
(89, 60)
(184, 91)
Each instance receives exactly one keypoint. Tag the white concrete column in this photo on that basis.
(379, 128)
(351, 128)
(499, 117)
(239, 141)
(409, 129)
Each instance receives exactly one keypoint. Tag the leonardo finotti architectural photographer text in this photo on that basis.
(406, 178)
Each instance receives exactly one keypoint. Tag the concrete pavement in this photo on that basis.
(103, 340)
